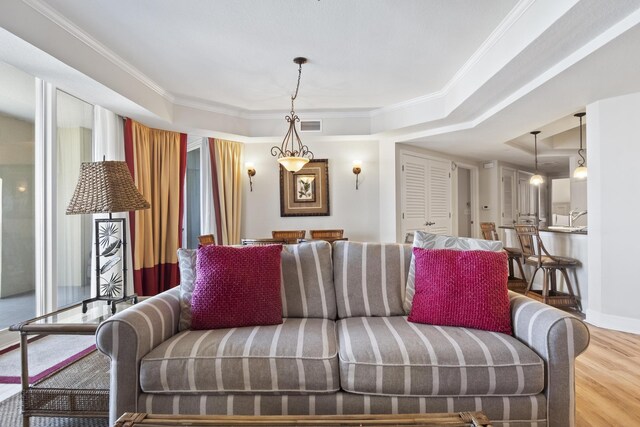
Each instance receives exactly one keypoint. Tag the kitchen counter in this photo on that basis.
(562, 243)
(560, 229)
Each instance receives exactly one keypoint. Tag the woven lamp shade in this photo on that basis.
(106, 187)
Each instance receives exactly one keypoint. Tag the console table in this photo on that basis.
(57, 402)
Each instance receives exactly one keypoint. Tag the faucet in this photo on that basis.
(574, 215)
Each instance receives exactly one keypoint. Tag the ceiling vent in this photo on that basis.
(311, 126)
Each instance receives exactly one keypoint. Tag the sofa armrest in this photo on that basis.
(558, 338)
(127, 337)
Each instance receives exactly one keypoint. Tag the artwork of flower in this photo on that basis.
(305, 188)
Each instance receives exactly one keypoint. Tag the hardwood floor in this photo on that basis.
(608, 380)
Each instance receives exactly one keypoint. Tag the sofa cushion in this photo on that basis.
(297, 356)
(391, 356)
(425, 240)
(462, 288)
(307, 281)
(370, 278)
(237, 287)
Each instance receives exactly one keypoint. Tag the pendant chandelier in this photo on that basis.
(581, 171)
(292, 154)
(537, 178)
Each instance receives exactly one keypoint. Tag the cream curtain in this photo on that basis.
(158, 158)
(227, 167)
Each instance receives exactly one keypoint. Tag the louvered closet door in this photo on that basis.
(426, 195)
(439, 201)
(414, 193)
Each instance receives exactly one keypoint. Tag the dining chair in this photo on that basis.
(207, 239)
(289, 236)
(261, 242)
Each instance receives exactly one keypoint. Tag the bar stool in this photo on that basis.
(517, 284)
(537, 256)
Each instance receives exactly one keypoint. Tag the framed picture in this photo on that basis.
(306, 192)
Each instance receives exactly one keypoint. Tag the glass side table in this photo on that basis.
(59, 402)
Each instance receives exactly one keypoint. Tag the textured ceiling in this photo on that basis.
(363, 54)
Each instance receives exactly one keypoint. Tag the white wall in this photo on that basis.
(613, 204)
(355, 211)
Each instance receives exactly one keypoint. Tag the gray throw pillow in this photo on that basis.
(426, 240)
(187, 263)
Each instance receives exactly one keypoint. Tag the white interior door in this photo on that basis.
(426, 195)
(439, 197)
(414, 193)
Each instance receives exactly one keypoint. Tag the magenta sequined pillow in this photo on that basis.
(237, 287)
(462, 288)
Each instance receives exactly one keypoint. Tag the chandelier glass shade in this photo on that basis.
(581, 171)
(292, 154)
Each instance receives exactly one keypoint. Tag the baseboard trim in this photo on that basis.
(610, 321)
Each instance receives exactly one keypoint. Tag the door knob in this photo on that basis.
(429, 223)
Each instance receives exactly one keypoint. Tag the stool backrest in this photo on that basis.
(531, 242)
(489, 231)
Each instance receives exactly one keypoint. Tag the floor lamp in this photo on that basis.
(107, 187)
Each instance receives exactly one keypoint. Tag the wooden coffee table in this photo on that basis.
(459, 419)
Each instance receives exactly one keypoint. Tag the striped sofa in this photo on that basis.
(345, 347)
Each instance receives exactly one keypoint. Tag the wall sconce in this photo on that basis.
(251, 171)
(357, 168)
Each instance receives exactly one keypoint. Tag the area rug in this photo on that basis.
(91, 371)
(46, 355)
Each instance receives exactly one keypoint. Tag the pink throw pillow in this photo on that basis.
(237, 287)
(462, 288)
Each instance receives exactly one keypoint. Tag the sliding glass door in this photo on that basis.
(74, 133)
(17, 196)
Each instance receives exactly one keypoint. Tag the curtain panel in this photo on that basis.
(157, 160)
(226, 175)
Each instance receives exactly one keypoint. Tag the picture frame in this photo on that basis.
(305, 192)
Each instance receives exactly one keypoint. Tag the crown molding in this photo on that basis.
(68, 26)
(512, 17)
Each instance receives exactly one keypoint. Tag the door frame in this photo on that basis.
(474, 190)
(405, 152)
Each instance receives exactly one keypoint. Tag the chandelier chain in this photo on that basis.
(295, 95)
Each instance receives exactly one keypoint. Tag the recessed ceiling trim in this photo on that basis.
(513, 16)
(58, 19)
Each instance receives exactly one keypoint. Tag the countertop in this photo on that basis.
(545, 229)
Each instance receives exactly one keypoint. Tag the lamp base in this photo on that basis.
(111, 301)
